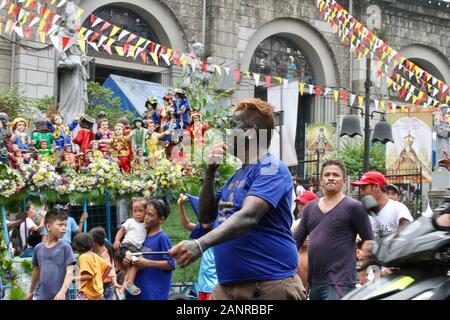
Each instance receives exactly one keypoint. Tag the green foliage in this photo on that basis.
(12, 102)
(103, 100)
(17, 293)
(351, 154)
(46, 105)
(27, 266)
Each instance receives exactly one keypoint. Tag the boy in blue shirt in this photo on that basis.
(155, 271)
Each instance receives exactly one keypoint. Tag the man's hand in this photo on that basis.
(185, 252)
(217, 154)
(445, 161)
(366, 250)
(140, 263)
(29, 296)
(83, 217)
(60, 296)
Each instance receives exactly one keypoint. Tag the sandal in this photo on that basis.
(122, 296)
(133, 290)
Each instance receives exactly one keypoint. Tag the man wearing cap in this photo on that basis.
(393, 192)
(332, 223)
(152, 112)
(393, 215)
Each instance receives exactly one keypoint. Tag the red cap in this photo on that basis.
(371, 177)
(306, 197)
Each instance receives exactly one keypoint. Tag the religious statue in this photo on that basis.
(104, 133)
(182, 108)
(20, 137)
(138, 135)
(120, 147)
(442, 137)
(41, 132)
(61, 132)
(85, 135)
(197, 129)
(152, 112)
(5, 134)
(72, 69)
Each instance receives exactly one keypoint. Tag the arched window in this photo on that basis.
(280, 57)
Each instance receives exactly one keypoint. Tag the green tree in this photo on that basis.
(351, 154)
(103, 100)
(12, 102)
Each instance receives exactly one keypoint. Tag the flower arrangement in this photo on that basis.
(167, 175)
(40, 175)
(10, 181)
(105, 172)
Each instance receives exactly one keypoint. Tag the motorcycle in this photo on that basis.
(419, 255)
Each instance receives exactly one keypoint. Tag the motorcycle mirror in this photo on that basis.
(371, 205)
(441, 216)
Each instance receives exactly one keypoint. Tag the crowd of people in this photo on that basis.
(249, 244)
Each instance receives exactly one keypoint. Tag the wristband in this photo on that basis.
(199, 245)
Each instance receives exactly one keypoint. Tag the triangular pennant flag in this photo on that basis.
(65, 42)
(218, 69)
(93, 45)
(110, 42)
(88, 34)
(27, 4)
(119, 51)
(344, 96)
(248, 74)
(336, 95)
(318, 90)
(79, 13)
(126, 46)
(285, 83)
(227, 70)
(28, 32)
(56, 18)
(267, 79)
(360, 101)
(138, 52)
(155, 57)
(143, 55)
(55, 41)
(114, 31)
(42, 37)
(131, 37)
(311, 89)
(237, 75)
(435, 92)
(4, 2)
(302, 88)
(11, 8)
(408, 96)
(41, 25)
(256, 77)
(377, 104)
(19, 31)
(105, 26)
(102, 40)
(165, 57)
(447, 99)
(140, 42)
(61, 3)
(94, 37)
(434, 81)
(123, 34)
(352, 99)
(107, 49)
(279, 79)
(382, 106)
(131, 51)
(21, 14)
(96, 22)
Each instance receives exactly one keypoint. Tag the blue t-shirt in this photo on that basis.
(154, 283)
(198, 231)
(72, 227)
(267, 251)
(52, 263)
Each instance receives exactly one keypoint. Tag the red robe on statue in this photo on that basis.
(84, 138)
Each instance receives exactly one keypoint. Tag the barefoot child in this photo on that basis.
(133, 233)
(93, 269)
(53, 260)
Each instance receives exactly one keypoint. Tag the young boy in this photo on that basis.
(53, 260)
(155, 271)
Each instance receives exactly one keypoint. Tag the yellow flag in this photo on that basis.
(42, 25)
(110, 42)
(430, 87)
(53, 1)
(302, 88)
(11, 8)
(366, 52)
(382, 105)
(429, 76)
(79, 13)
(336, 95)
(46, 13)
(42, 37)
(218, 69)
(389, 83)
(119, 51)
(407, 85)
(435, 103)
(414, 99)
(183, 61)
(353, 38)
(248, 74)
(169, 52)
(140, 41)
(28, 4)
(114, 31)
(82, 44)
(447, 99)
(155, 57)
(380, 64)
(25, 18)
(383, 55)
(360, 101)
(403, 108)
(131, 51)
(82, 31)
(371, 44)
(280, 79)
(398, 78)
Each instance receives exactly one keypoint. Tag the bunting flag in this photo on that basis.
(302, 88)
(218, 69)
(237, 75)
(336, 95)
(256, 77)
(143, 55)
(267, 79)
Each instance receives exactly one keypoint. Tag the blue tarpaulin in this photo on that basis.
(133, 92)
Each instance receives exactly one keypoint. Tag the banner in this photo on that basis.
(412, 133)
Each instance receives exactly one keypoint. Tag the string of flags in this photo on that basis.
(29, 17)
(413, 84)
